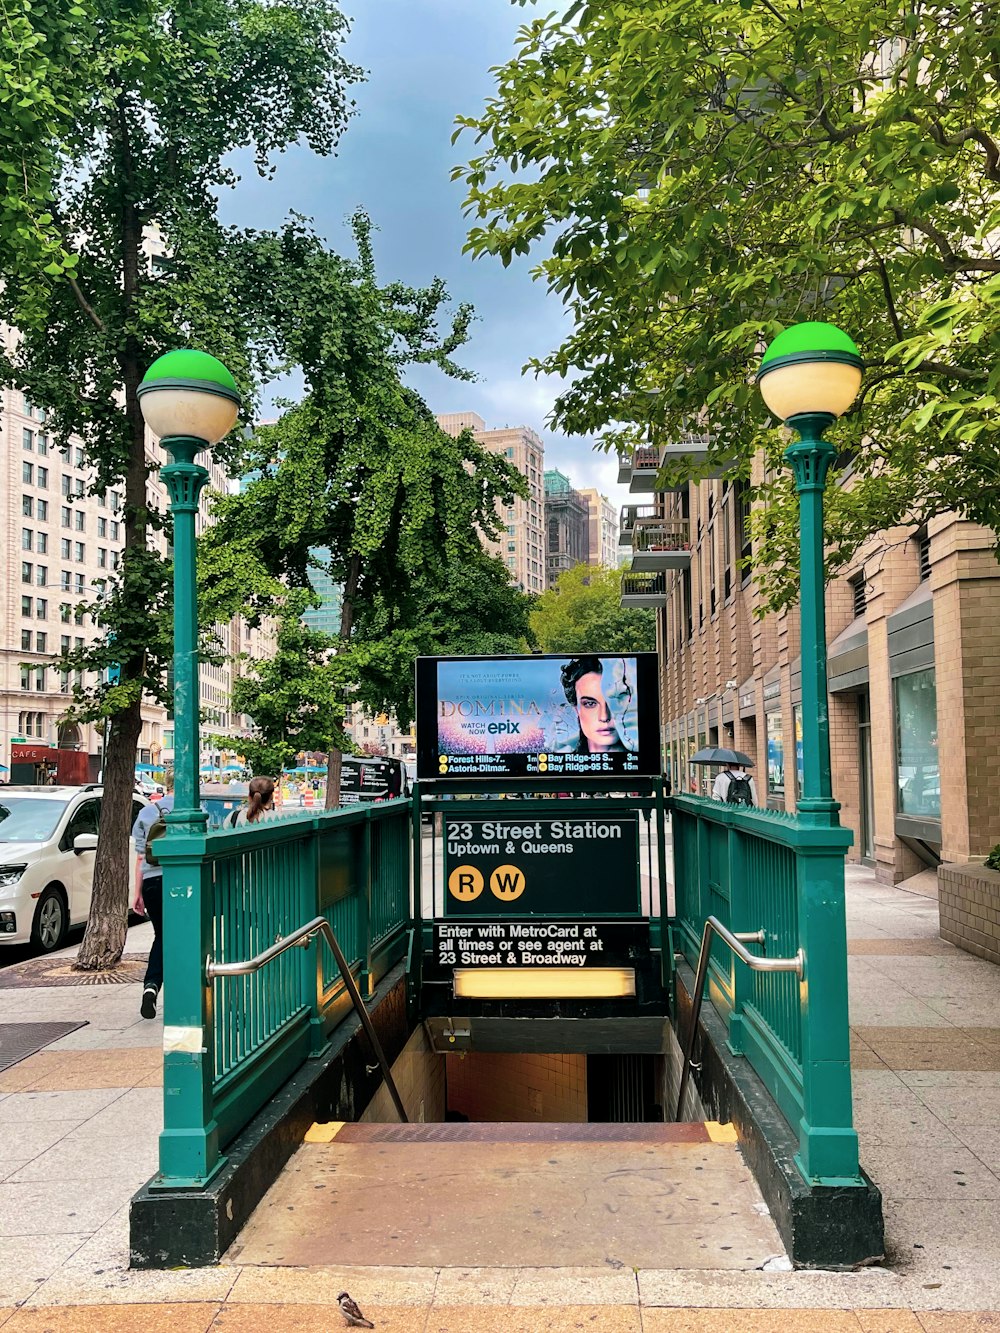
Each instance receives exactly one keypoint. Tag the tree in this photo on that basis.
(583, 614)
(119, 121)
(292, 697)
(703, 176)
(360, 469)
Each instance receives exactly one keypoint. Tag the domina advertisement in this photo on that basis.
(582, 716)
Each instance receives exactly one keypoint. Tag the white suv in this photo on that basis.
(48, 836)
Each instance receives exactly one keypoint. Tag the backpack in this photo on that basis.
(740, 792)
(156, 830)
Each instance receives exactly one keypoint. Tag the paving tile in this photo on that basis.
(25, 1141)
(54, 1207)
(316, 1318)
(934, 1322)
(749, 1321)
(886, 946)
(957, 1105)
(34, 1258)
(188, 1318)
(876, 1036)
(888, 1321)
(924, 1171)
(77, 1283)
(26, 1107)
(475, 1286)
(527, 1319)
(574, 1286)
(368, 1286)
(987, 1036)
(962, 1056)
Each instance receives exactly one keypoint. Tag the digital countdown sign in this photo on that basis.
(593, 715)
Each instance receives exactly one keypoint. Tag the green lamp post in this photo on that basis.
(190, 400)
(808, 377)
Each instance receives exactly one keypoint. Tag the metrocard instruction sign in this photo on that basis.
(569, 868)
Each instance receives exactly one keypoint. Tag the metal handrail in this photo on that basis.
(735, 942)
(301, 939)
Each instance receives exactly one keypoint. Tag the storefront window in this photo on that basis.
(799, 761)
(918, 776)
(775, 757)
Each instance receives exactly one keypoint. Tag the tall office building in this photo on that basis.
(521, 543)
(603, 535)
(567, 526)
(62, 544)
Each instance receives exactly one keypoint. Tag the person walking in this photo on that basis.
(260, 803)
(149, 895)
(735, 786)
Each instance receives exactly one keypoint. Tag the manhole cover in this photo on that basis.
(19, 1040)
(59, 972)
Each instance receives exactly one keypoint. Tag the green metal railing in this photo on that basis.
(231, 1042)
(761, 869)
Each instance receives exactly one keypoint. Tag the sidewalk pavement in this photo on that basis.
(79, 1123)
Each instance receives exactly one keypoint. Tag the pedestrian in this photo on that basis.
(260, 803)
(149, 894)
(735, 786)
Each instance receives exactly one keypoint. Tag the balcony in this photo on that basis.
(632, 514)
(643, 590)
(662, 543)
(640, 470)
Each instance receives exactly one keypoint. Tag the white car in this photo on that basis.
(48, 836)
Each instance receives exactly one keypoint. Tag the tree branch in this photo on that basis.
(84, 304)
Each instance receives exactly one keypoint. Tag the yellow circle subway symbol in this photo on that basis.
(507, 883)
(465, 883)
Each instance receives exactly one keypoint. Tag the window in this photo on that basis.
(115, 559)
(41, 608)
(27, 438)
(40, 675)
(64, 644)
(27, 506)
(67, 485)
(65, 547)
(41, 575)
(41, 639)
(511, 530)
(42, 543)
(64, 580)
(78, 487)
(102, 558)
(79, 551)
(116, 502)
(65, 612)
(80, 521)
(859, 594)
(27, 473)
(27, 539)
(918, 775)
(26, 685)
(26, 571)
(64, 682)
(26, 605)
(43, 478)
(923, 553)
(42, 443)
(115, 527)
(67, 517)
(102, 527)
(26, 640)
(78, 582)
(43, 509)
(26, 406)
(78, 457)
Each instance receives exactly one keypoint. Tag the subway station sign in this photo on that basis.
(565, 867)
(502, 944)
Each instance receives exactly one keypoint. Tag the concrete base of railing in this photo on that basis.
(193, 1228)
(821, 1226)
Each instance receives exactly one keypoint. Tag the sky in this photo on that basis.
(428, 61)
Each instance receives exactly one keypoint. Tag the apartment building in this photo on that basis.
(63, 545)
(521, 546)
(567, 526)
(602, 540)
(914, 668)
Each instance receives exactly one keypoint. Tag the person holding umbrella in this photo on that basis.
(733, 785)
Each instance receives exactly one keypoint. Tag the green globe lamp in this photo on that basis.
(189, 393)
(808, 377)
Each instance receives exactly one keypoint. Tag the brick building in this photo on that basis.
(914, 669)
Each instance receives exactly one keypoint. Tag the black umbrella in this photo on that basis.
(718, 754)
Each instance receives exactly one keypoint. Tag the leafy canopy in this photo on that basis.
(697, 177)
(583, 614)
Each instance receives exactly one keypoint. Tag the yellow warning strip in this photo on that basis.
(720, 1133)
(324, 1133)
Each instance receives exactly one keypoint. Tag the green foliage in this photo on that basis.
(697, 177)
(583, 614)
(360, 470)
(292, 697)
(119, 120)
(992, 862)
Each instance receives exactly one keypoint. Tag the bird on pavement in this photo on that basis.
(349, 1309)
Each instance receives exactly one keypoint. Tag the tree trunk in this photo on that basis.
(335, 760)
(104, 938)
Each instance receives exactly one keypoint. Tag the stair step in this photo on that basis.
(534, 1132)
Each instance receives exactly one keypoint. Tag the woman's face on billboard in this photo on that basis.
(596, 721)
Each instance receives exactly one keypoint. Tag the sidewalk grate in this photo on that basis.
(59, 972)
(19, 1040)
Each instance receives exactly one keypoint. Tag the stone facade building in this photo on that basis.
(567, 526)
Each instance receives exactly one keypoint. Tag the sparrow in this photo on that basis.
(349, 1309)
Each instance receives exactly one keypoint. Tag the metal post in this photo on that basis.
(189, 1144)
(810, 458)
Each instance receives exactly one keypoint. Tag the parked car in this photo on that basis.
(48, 836)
